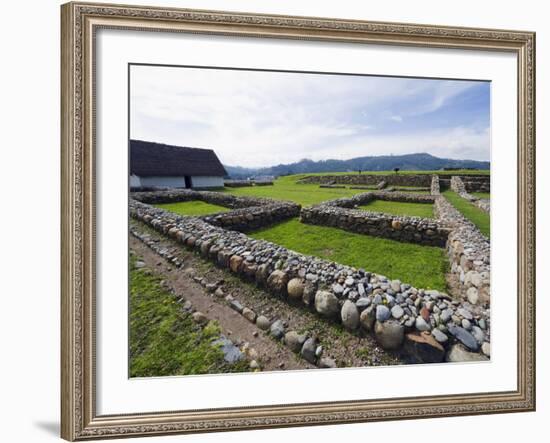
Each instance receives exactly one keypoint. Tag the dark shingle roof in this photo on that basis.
(155, 159)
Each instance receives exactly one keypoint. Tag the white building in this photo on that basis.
(159, 165)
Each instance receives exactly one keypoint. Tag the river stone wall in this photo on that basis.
(248, 213)
(472, 183)
(469, 254)
(467, 248)
(476, 183)
(434, 188)
(246, 183)
(218, 198)
(425, 325)
(458, 186)
(466, 183)
(237, 183)
(409, 189)
(421, 180)
(248, 219)
(343, 214)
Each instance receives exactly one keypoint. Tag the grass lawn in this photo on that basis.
(164, 340)
(195, 207)
(424, 210)
(478, 217)
(421, 266)
(286, 188)
(486, 195)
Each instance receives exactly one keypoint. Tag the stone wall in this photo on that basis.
(370, 179)
(469, 254)
(248, 219)
(246, 183)
(409, 189)
(466, 183)
(366, 197)
(342, 213)
(434, 188)
(248, 213)
(237, 183)
(477, 183)
(425, 325)
(472, 183)
(218, 198)
(467, 248)
(458, 186)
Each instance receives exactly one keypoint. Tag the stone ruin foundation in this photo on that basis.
(424, 325)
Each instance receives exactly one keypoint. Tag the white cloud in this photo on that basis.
(261, 118)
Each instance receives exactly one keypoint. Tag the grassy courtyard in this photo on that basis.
(421, 266)
(194, 208)
(286, 188)
(164, 340)
(478, 217)
(424, 210)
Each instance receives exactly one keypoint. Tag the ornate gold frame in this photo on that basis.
(78, 417)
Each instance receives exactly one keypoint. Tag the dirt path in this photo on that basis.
(270, 353)
(347, 349)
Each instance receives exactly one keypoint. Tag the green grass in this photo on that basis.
(195, 207)
(164, 340)
(424, 210)
(286, 188)
(421, 266)
(486, 195)
(478, 217)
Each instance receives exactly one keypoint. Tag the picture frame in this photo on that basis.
(80, 24)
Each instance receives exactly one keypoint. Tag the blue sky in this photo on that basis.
(255, 118)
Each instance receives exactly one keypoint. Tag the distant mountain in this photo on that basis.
(407, 162)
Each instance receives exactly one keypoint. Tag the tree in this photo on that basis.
(396, 170)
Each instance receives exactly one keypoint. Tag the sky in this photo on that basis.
(260, 118)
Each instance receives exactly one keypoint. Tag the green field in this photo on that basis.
(286, 188)
(486, 195)
(424, 210)
(421, 266)
(478, 217)
(164, 340)
(195, 207)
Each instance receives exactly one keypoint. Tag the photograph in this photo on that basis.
(283, 218)
(293, 220)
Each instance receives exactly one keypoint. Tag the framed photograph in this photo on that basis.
(282, 221)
